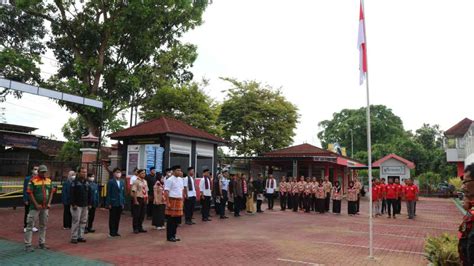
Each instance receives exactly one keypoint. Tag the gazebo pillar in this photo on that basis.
(295, 168)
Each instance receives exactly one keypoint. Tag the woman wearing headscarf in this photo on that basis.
(158, 211)
(336, 196)
(352, 199)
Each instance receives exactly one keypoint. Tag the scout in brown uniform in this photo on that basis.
(140, 199)
(327, 190)
(358, 186)
(289, 198)
(283, 193)
(296, 195)
(307, 195)
(301, 185)
(351, 199)
(336, 196)
(314, 186)
(320, 196)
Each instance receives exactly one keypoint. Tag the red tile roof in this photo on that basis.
(409, 164)
(164, 125)
(300, 150)
(460, 128)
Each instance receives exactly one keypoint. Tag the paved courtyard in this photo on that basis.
(272, 238)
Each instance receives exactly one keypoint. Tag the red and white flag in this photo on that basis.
(362, 47)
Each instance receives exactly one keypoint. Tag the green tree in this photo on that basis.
(187, 102)
(115, 51)
(20, 46)
(256, 118)
(386, 127)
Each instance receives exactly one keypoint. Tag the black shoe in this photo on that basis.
(73, 241)
(171, 240)
(222, 217)
(189, 223)
(142, 231)
(136, 231)
(177, 239)
(91, 230)
(117, 234)
(81, 240)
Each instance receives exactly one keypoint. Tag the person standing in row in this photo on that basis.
(205, 189)
(80, 202)
(398, 203)
(243, 181)
(301, 185)
(231, 191)
(217, 194)
(250, 206)
(190, 200)
(382, 190)
(289, 197)
(158, 214)
(375, 198)
(391, 196)
(66, 200)
(411, 196)
(224, 185)
(238, 195)
(295, 191)
(307, 195)
(351, 199)
(283, 193)
(358, 186)
(327, 191)
(26, 200)
(174, 195)
(320, 198)
(150, 181)
(94, 187)
(40, 192)
(314, 188)
(270, 191)
(336, 196)
(259, 191)
(139, 193)
(115, 201)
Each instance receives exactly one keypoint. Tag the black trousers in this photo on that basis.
(90, 218)
(158, 215)
(391, 203)
(283, 200)
(296, 202)
(351, 207)
(67, 217)
(224, 199)
(326, 201)
(243, 202)
(289, 200)
(27, 210)
(171, 226)
(307, 203)
(205, 206)
(313, 202)
(259, 205)
(149, 207)
(237, 205)
(320, 205)
(301, 201)
(358, 203)
(336, 206)
(138, 213)
(270, 200)
(114, 219)
(189, 205)
(398, 205)
(384, 206)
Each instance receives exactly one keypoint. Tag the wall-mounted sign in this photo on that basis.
(393, 170)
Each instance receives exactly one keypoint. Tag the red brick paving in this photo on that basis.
(272, 238)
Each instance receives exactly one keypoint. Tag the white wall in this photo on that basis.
(394, 165)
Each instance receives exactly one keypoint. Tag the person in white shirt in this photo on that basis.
(225, 191)
(205, 189)
(174, 195)
(190, 201)
(270, 186)
(134, 176)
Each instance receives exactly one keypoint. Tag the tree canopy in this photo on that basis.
(256, 118)
(118, 52)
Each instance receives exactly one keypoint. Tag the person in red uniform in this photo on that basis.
(381, 189)
(411, 196)
(398, 203)
(391, 196)
(384, 201)
(375, 198)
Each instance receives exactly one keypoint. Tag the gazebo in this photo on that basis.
(306, 160)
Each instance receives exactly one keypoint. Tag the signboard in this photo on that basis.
(19, 141)
(154, 157)
(393, 170)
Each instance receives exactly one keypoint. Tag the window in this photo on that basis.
(179, 159)
(202, 163)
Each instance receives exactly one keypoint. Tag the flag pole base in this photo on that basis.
(371, 257)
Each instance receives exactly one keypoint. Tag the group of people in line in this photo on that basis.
(167, 198)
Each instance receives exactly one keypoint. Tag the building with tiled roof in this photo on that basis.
(459, 144)
(164, 142)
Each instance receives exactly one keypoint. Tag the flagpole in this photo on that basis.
(369, 147)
